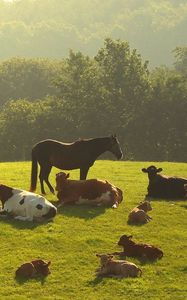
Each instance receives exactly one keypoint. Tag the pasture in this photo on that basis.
(77, 233)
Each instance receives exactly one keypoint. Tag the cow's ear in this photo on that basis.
(129, 237)
(159, 170)
(144, 170)
(98, 255)
(67, 175)
(110, 256)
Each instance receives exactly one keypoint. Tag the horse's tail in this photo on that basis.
(34, 171)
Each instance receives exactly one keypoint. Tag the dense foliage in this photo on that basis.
(80, 96)
(49, 28)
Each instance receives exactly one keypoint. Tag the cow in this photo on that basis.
(139, 214)
(24, 205)
(117, 268)
(91, 191)
(161, 186)
(138, 250)
(33, 269)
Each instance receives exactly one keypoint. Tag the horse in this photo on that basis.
(80, 154)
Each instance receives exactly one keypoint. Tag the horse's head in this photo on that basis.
(115, 147)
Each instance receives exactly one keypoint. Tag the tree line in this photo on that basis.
(81, 96)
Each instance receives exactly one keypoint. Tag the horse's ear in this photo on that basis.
(67, 175)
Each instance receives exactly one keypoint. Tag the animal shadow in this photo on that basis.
(99, 278)
(142, 260)
(83, 212)
(184, 206)
(137, 224)
(22, 280)
(22, 224)
(148, 198)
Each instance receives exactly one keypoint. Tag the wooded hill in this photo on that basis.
(49, 28)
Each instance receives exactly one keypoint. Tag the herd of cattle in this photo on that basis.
(28, 206)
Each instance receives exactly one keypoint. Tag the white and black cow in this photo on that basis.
(26, 206)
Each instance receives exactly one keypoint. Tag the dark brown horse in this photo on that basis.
(68, 156)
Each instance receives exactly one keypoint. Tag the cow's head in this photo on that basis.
(42, 267)
(146, 206)
(152, 171)
(5, 193)
(124, 239)
(43, 209)
(61, 177)
(104, 258)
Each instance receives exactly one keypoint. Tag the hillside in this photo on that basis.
(49, 28)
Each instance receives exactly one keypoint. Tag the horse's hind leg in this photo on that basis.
(44, 175)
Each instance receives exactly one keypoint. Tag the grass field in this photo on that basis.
(79, 232)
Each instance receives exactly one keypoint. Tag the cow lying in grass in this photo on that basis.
(117, 268)
(161, 186)
(139, 214)
(142, 251)
(91, 191)
(26, 206)
(33, 269)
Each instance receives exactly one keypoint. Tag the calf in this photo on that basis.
(118, 268)
(139, 214)
(163, 186)
(34, 268)
(133, 249)
(91, 191)
(26, 206)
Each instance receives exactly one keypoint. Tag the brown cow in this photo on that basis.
(138, 250)
(117, 268)
(139, 214)
(33, 268)
(91, 191)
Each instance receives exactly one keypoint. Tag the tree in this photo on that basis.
(181, 60)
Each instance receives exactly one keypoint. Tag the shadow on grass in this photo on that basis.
(184, 269)
(83, 212)
(148, 198)
(95, 281)
(21, 280)
(142, 261)
(184, 206)
(137, 224)
(23, 224)
(98, 279)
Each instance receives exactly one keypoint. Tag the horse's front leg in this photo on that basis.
(83, 172)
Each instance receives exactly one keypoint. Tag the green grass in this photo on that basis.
(79, 232)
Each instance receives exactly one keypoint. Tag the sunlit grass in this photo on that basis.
(78, 232)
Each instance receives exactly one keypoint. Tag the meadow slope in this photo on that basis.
(79, 232)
